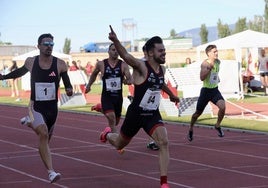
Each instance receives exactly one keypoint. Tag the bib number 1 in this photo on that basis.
(45, 91)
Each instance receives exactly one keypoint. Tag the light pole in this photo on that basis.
(128, 24)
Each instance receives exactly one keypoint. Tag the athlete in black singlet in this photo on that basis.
(151, 143)
(114, 73)
(111, 96)
(145, 105)
(44, 94)
(46, 72)
(143, 112)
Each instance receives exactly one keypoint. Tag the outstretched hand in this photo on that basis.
(112, 35)
(69, 91)
(88, 89)
(174, 99)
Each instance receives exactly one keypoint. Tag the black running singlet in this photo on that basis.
(44, 82)
(147, 94)
(112, 79)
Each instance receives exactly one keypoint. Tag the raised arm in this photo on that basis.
(127, 57)
(205, 70)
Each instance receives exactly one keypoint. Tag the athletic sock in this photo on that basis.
(49, 171)
(163, 179)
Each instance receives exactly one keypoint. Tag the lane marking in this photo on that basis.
(248, 110)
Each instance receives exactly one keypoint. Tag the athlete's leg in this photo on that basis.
(117, 140)
(202, 102)
(265, 81)
(194, 118)
(161, 138)
(221, 105)
(43, 147)
(111, 120)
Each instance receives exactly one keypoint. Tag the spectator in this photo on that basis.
(263, 70)
(188, 61)
(74, 67)
(5, 71)
(14, 82)
(89, 68)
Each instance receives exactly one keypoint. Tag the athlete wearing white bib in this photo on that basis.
(145, 105)
(209, 74)
(114, 73)
(44, 94)
(143, 112)
(46, 72)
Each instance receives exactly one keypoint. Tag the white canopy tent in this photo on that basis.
(244, 39)
(36, 52)
(250, 40)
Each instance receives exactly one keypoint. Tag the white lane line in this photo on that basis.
(29, 175)
(91, 163)
(248, 110)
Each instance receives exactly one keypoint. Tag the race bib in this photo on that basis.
(45, 91)
(113, 84)
(150, 100)
(214, 78)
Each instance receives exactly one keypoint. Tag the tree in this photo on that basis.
(67, 46)
(5, 43)
(203, 34)
(257, 24)
(265, 21)
(223, 30)
(173, 33)
(241, 25)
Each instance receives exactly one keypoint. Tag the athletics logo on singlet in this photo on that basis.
(52, 74)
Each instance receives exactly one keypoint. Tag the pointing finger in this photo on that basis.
(111, 29)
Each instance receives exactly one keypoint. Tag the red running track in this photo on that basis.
(240, 159)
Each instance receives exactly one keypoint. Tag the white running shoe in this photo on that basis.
(53, 176)
(25, 120)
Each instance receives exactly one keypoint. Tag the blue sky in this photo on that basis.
(83, 21)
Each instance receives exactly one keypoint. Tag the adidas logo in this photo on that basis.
(52, 74)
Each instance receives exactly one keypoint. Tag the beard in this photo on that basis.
(47, 53)
(160, 60)
(115, 57)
